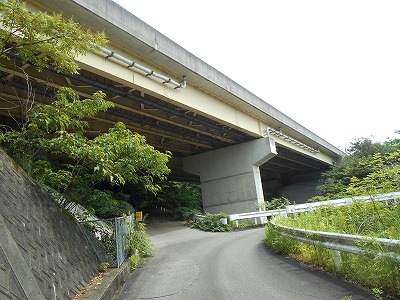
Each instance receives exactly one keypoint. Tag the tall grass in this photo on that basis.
(374, 219)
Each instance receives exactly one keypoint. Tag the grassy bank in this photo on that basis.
(375, 219)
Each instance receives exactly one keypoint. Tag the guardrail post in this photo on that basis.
(237, 223)
(338, 259)
(255, 221)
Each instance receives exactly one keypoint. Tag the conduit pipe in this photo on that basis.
(291, 140)
(132, 64)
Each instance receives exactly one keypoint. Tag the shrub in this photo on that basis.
(104, 266)
(106, 205)
(137, 240)
(275, 203)
(213, 223)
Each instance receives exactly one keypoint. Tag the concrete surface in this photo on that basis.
(43, 253)
(191, 264)
(230, 177)
(129, 32)
(108, 286)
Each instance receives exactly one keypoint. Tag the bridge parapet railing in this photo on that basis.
(261, 216)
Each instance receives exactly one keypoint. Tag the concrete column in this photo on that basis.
(230, 177)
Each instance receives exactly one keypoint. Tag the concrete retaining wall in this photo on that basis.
(43, 253)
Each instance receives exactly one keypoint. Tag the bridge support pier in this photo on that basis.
(230, 177)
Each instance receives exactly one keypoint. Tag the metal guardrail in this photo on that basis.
(199, 217)
(262, 215)
(258, 215)
(340, 242)
(343, 201)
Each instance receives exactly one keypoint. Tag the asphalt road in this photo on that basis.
(190, 264)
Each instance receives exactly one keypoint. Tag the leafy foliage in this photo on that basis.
(182, 198)
(376, 219)
(44, 40)
(275, 203)
(49, 125)
(369, 168)
(117, 156)
(43, 171)
(104, 266)
(106, 204)
(384, 177)
(139, 244)
(50, 143)
(213, 223)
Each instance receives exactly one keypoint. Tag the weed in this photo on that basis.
(135, 260)
(377, 293)
(137, 239)
(138, 243)
(213, 223)
(104, 266)
(374, 219)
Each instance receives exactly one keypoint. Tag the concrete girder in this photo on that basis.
(212, 112)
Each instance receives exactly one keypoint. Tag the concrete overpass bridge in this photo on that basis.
(239, 147)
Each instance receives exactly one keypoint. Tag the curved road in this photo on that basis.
(191, 264)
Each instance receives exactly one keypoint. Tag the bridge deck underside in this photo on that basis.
(166, 126)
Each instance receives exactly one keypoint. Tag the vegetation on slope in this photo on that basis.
(49, 140)
(370, 168)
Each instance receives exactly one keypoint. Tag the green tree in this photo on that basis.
(43, 40)
(384, 178)
(394, 142)
(117, 156)
(57, 131)
(366, 159)
(182, 198)
(52, 122)
(364, 147)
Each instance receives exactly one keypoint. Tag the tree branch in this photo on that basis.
(9, 49)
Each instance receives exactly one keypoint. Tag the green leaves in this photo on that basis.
(373, 219)
(66, 112)
(121, 155)
(106, 204)
(137, 240)
(370, 168)
(44, 40)
(44, 172)
(384, 177)
(57, 131)
(117, 156)
(213, 223)
(182, 198)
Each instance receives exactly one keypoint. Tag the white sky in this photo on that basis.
(331, 65)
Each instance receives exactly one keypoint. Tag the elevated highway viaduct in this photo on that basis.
(241, 149)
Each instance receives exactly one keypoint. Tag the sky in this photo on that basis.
(332, 66)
